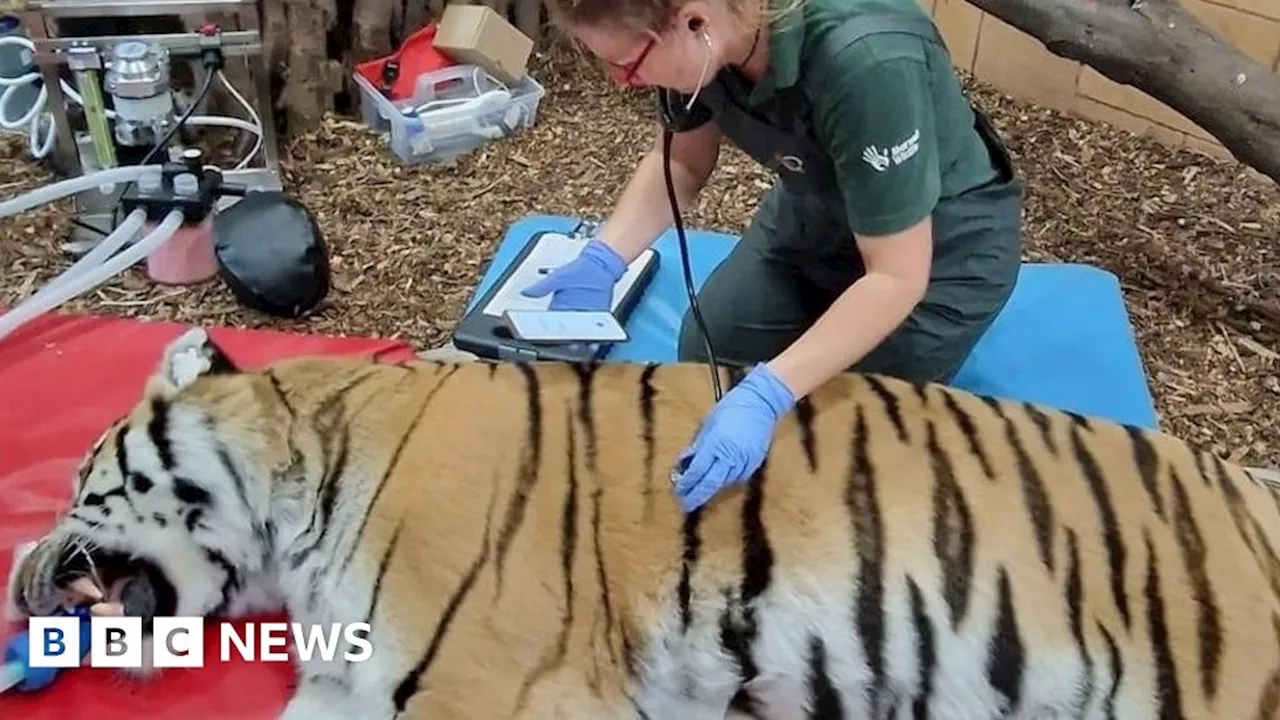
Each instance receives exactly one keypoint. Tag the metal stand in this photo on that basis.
(54, 53)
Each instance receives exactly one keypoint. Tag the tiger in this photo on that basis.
(509, 532)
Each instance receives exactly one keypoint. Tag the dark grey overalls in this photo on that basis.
(799, 254)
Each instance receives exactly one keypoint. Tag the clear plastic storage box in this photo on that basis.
(453, 111)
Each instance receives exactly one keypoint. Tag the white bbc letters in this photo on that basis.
(115, 642)
(54, 642)
(277, 635)
(177, 642)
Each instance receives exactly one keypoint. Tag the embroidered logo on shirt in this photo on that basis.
(896, 155)
(876, 158)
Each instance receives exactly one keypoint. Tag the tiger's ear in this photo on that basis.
(188, 358)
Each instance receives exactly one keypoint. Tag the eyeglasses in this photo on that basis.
(625, 74)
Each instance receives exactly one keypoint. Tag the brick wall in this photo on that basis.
(1018, 64)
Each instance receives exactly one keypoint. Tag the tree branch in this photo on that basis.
(1161, 49)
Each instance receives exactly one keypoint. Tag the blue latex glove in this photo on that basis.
(734, 439)
(584, 283)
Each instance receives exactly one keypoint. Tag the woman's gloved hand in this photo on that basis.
(584, 283)
(734, 439)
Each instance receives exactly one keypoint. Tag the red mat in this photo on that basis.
(63, 379)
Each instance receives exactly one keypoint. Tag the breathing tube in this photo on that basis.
(667, 135)
(90, 272)
(81, 183)
(192, 190)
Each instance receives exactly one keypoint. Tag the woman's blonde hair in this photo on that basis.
(643, 15)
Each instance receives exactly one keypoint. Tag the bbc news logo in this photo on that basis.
(178, 642)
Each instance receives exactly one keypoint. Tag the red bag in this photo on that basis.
(395, 74)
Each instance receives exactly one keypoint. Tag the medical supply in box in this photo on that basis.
(477, 35)
(452, 111)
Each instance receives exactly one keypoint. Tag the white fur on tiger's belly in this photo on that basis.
(690, 675)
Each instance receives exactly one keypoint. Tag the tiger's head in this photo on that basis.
(169, 513)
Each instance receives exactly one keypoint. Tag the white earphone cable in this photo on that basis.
(702, 76)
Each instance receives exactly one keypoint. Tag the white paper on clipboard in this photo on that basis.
(552, 251)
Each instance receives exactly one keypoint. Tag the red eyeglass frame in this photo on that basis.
(630, 69)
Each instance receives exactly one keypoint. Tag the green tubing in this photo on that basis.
(95, 113)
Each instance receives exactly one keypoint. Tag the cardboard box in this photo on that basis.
(476, 35)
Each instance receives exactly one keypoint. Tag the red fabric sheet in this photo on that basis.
(63, 379)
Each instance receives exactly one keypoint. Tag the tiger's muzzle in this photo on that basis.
(44, 578)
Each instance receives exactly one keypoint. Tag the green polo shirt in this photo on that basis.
(888, 108)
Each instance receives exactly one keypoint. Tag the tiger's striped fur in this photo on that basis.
(509, 531)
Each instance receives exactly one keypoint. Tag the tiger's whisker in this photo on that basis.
(79, 545)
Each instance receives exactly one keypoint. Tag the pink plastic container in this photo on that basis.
(184, 259)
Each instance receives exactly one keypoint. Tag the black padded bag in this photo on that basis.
(271, 254)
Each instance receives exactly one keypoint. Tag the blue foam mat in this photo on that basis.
(1063, 340)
